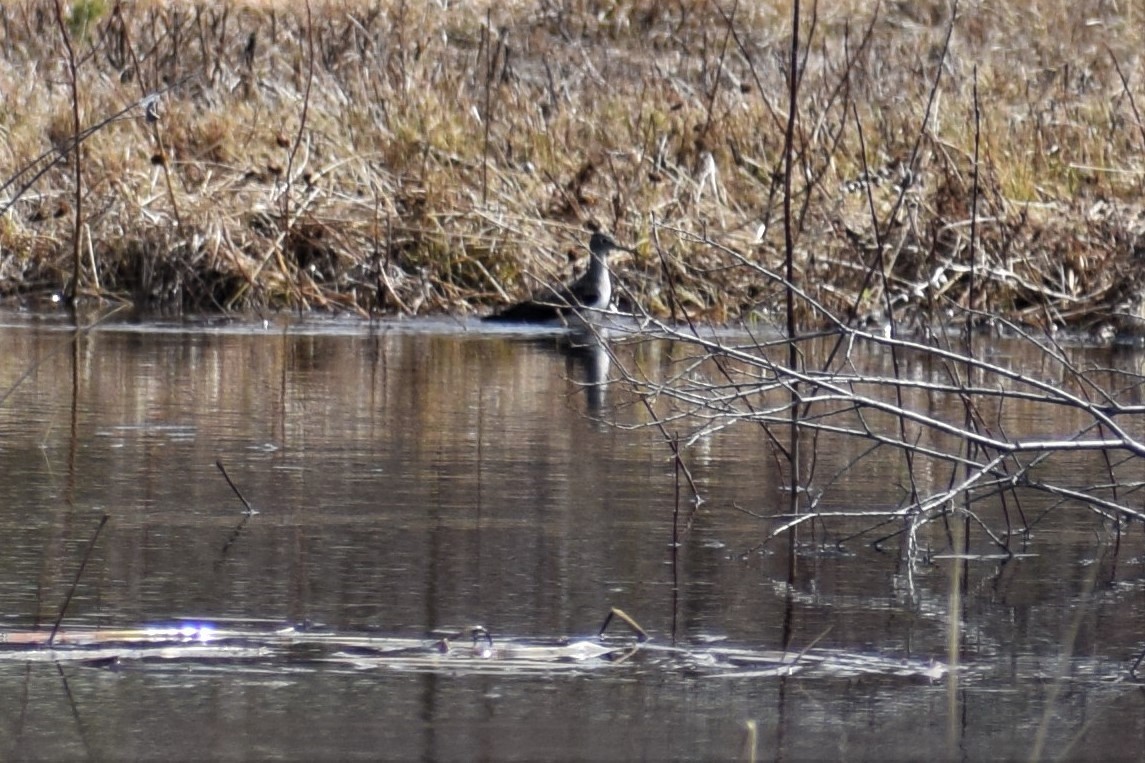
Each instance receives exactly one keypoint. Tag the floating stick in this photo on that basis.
(641, 634)
(76, 582)
(249, 509)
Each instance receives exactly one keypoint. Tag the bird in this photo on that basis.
(592, 291)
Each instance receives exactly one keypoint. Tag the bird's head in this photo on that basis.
(602, 244)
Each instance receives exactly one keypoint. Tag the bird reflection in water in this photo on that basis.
(588, 359)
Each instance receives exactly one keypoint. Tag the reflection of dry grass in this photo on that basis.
(444, 163)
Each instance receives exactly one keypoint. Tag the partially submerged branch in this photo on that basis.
(858, 398)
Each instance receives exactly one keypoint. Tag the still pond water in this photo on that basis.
(418, 478)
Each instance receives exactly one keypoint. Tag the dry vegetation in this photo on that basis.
(405, 157)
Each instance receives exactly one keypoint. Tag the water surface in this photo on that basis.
(413, 477)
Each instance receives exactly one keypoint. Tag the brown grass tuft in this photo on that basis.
(444, 163)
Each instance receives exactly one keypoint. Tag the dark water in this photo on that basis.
(412, 477)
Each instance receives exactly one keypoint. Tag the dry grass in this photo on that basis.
(413, 157)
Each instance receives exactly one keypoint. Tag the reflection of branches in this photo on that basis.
(721, 383)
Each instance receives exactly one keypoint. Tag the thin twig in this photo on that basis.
(77, 226)
(78, 577)
(249, 509)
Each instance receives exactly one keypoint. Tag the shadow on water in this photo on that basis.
(411, 479)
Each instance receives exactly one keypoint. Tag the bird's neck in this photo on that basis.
(597, 275)
(597, 269)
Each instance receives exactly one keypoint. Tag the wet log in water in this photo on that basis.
(288, 646)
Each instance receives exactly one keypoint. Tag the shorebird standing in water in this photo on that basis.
(590, 292)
